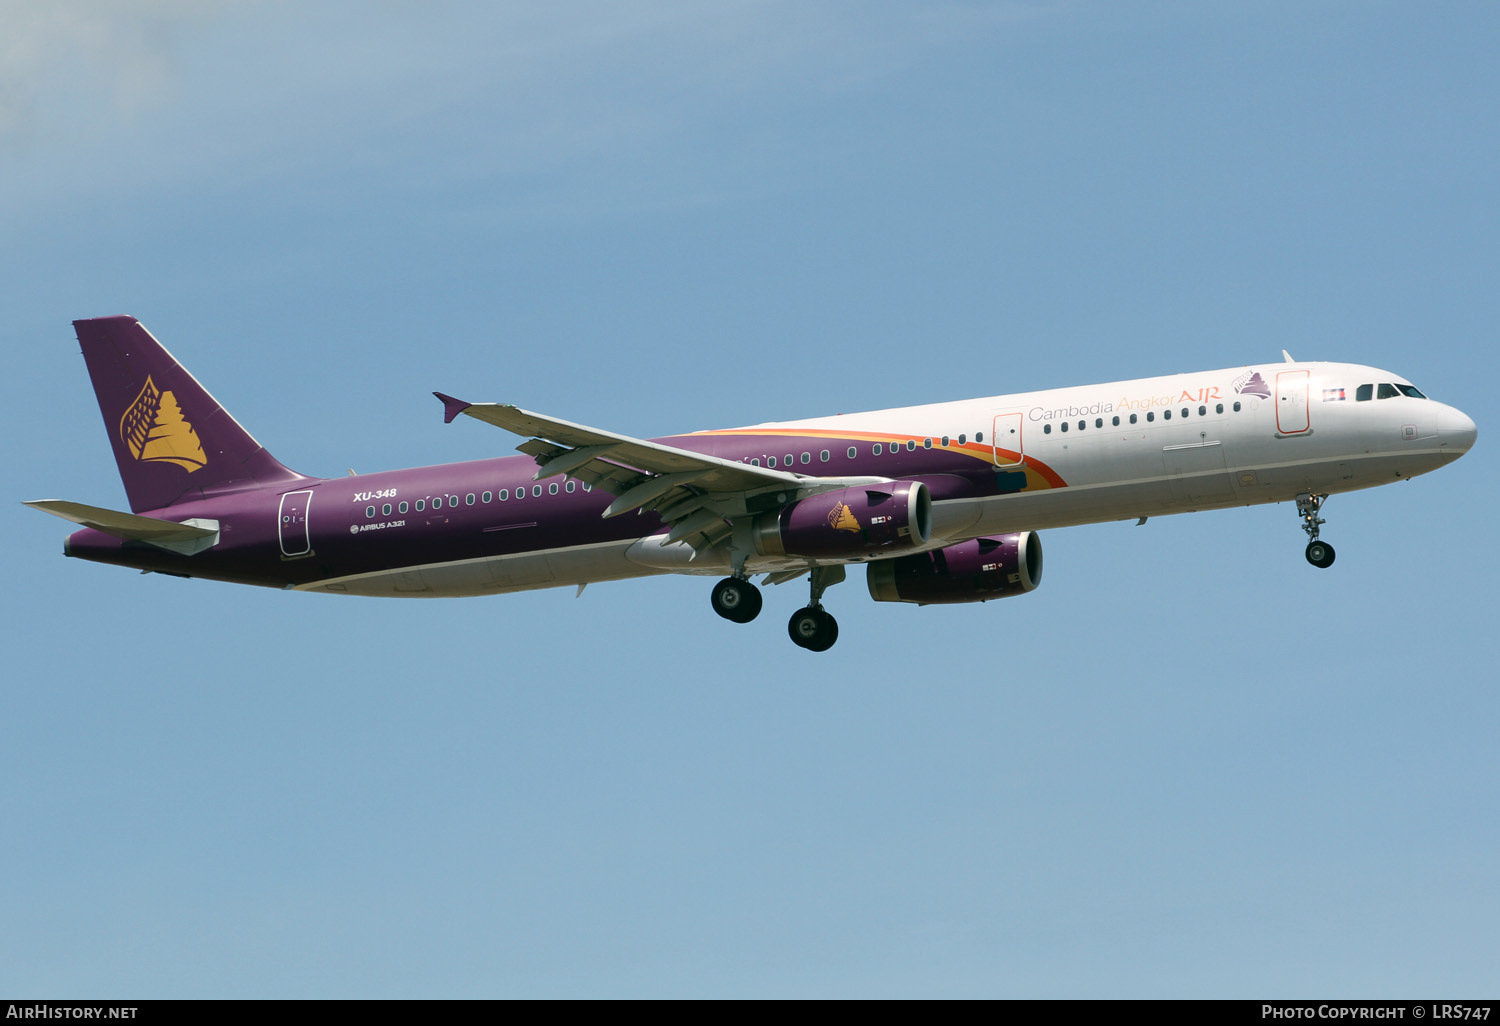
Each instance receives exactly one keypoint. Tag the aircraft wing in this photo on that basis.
(698, 495)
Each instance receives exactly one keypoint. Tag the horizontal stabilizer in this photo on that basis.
(129, 526)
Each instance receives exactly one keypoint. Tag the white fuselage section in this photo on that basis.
(1079, 455)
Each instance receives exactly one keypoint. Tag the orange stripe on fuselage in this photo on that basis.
(975, 449)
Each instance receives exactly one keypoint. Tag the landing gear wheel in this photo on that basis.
(813, 629)
(736, 600)
(1320, 554)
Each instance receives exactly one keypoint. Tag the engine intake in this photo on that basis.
(971, 571)
(862, 520)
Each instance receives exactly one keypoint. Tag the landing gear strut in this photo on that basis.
(736, 599)
(811, 627)
(1319, 553)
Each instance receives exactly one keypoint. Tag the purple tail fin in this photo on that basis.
(172, 441)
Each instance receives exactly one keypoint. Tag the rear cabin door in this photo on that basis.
(1291, 402)
(292, 526)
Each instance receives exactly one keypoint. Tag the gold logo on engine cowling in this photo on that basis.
(841, 518)
(154, 430)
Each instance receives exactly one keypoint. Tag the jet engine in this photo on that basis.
(971, 571)
(863, 520)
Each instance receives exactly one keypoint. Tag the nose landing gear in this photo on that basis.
(1319, 553)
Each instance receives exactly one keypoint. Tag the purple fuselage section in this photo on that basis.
(319, 529)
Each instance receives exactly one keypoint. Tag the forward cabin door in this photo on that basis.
(291, 524)
(1291, 402)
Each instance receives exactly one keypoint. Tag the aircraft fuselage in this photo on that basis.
(993, 466)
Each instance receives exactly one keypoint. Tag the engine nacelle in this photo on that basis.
(863, 520)
(971, 571)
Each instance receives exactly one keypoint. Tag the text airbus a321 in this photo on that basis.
(942, 501)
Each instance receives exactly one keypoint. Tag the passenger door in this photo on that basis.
(1292, 402)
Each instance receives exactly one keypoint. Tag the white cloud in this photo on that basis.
(75, 60)
(185, 91)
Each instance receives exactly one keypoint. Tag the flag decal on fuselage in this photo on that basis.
(155, 431)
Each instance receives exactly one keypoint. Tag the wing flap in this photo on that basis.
(698, 496)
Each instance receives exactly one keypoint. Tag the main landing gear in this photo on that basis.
(1319, 553)
(736, 599)
(811, 627)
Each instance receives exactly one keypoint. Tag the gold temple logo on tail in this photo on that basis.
(154, 431)
(841, 518)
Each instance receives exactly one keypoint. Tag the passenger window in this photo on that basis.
(437, 503)
(771, 462)
(1165, 415)
(1219, 408)
(552, 488)
(570, 487)
(911, 445)
(1236, 407)
(488, 496)
(1150, 417)
(1203, 411)
(789, 460)
(755, 461)
(1082, 424)
(927, 443)
(1364, 393)
(1098, 422)
(1132, 418)
(1065, 425)
(979, 436)
(469, 499)
(385, 510)
(1115, 422)
(1185, 413)
(875, 449)
(1046, 429)
(807, 457)
(945, 441)
(1387, 392)
(369, 511)
(536, 490)
(504, 494)
(421, 505)
(961, 439)
(853, 451)
(403, 507)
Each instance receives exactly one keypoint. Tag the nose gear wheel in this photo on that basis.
(1319, 553)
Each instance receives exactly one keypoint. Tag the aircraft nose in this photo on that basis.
(1457, 434)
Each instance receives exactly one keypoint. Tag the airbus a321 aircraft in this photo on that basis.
(940, 501)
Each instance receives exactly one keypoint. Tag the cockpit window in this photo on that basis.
(1387, 391)
(1364, 393)
(1411, 390)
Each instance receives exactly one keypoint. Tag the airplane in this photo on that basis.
(942, 502)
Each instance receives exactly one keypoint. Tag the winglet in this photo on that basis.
(451, 407)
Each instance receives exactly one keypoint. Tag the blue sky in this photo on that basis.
(1188, 765)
